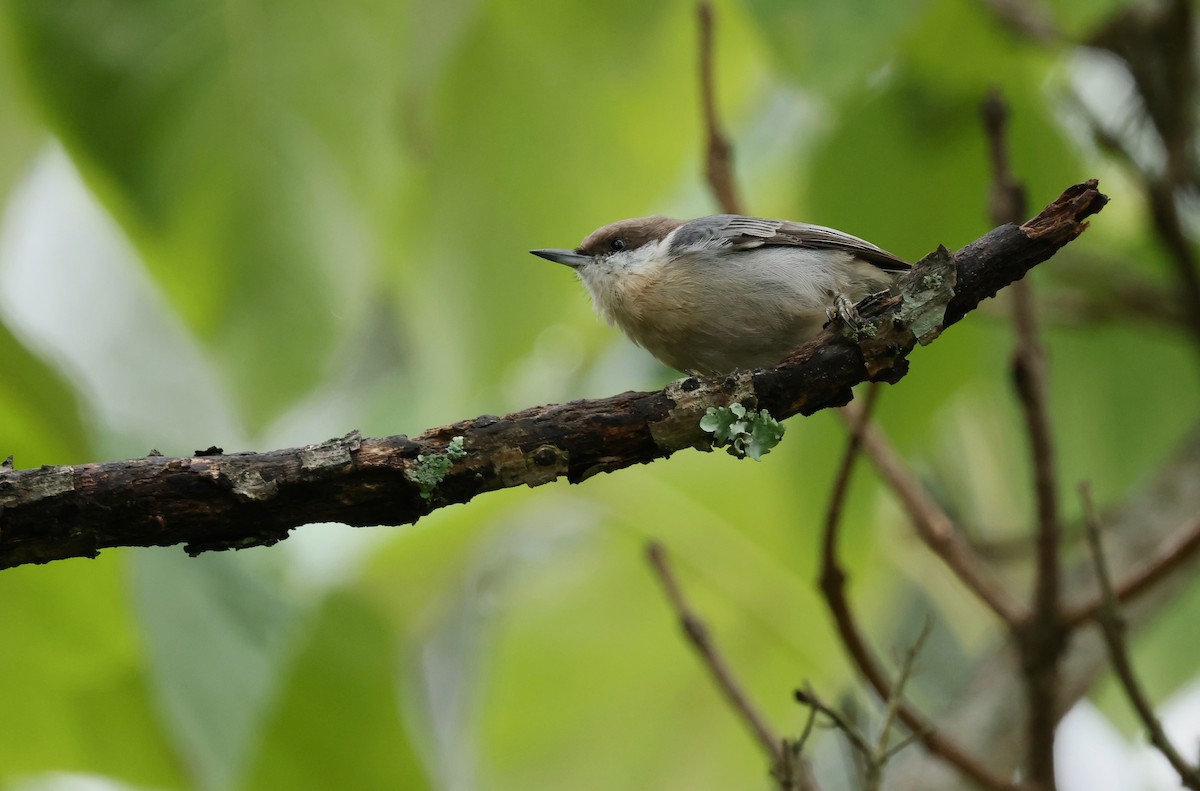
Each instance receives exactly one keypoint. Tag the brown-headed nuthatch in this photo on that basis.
(727, 292)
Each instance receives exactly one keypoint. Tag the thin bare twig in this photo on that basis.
(875, 754)
(858, 740)
(1041, 638)
(833, 583)
(719, 158)
(1164, 215)
(714, 662)
(841, 483)
(1098, 290)
(987, 714)
(1168, 225)
(1007, 202)
(1112, 626)
(1173, 554)
(884, 752)
(1164, 211)
(1029, 374)
(795, 772)
(934, 527)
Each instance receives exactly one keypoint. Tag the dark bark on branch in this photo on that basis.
(220, 501)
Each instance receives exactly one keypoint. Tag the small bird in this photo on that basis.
(726, 292)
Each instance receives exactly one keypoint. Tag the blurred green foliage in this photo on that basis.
(328, 206)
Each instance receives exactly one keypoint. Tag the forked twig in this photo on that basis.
(875, 754)
(833, 583)
(1174, 553)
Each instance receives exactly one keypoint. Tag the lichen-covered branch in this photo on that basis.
(215, 500)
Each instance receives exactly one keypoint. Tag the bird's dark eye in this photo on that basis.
(617, 244)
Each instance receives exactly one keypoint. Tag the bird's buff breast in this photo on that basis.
(707, 323)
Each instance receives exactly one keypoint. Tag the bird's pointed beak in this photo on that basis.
(566, 257)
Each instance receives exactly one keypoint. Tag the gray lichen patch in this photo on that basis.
(926, 292)
(862, 330)
(247, 482)
(336, 452)
(914, 312)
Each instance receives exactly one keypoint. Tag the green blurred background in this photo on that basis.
(262, 223)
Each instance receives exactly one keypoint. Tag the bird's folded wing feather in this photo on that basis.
(748, 233)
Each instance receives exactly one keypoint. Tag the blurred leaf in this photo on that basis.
(40, 418)
(1134, 414)
(239, 144)
(524, 156)
(906, 164)
(549, 706)
(71, 677)
(337, 722)
(1081, 18)
(832, 46)
(20, 135)
(216, 636)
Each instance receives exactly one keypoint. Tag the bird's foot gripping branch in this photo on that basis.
(246, 499)
(915, 310)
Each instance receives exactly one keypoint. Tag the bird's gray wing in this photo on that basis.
(747, 233)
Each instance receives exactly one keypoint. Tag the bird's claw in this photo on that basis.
(842, 309)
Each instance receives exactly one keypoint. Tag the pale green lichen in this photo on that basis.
(861, 329)
(925, 299)
(430, 470)
(746, 432)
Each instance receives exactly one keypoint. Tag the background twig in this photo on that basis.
(1113, 628)
(718, 166)
(833, 584)
(987, 712)
(1178, 550)
(1158, 44)
(934, 527)
(1041, 637)
(698, 635)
